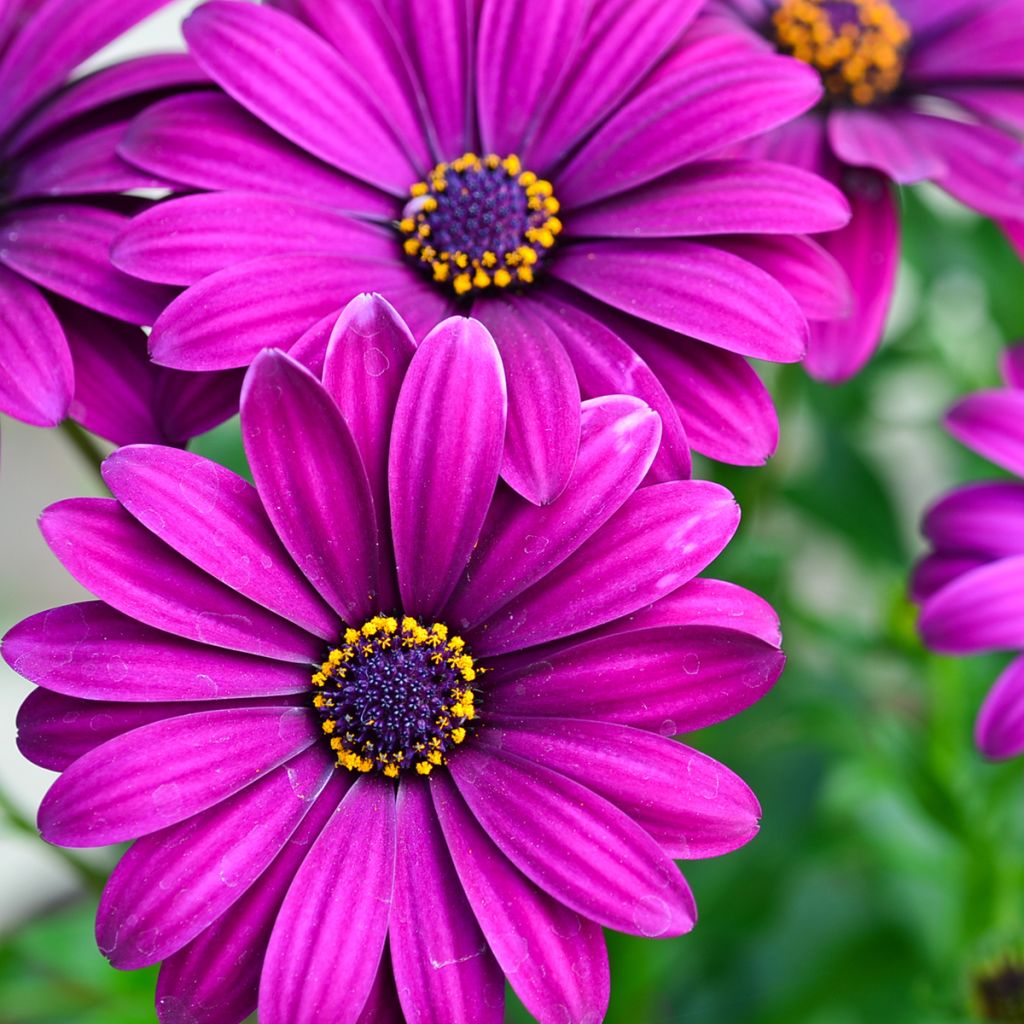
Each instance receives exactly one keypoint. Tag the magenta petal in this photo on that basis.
(660, 539)
(1011, 365)
(165, 772)
(999, 730)
(215, 978)
(215, 519)
(937, 570)
(520, 543)
(554, 959)
(122, 563)
(574, 845)
(992, 424)
(984, 519)
(92, 651)
(443, 968)
(868, 250)
(887, 140)
(327, 943)
(694, 289)
(982, 610)
(229, 317)
(692, 805)
(299, 85)
(208, 141)
(543, 432)
(446, 451)
(693, 676)
(186, 239)
(311, 480)
(174, 883)
(37, 377)
(382, 1005)
(65, 247)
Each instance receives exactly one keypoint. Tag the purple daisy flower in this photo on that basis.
(383, 730)
(916, 90)
(971, 586)
(551, 171)
(70, 343)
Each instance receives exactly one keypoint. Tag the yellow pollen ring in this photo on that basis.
(860, 60)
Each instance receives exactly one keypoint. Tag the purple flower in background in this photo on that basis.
(916, 90)
(971, 587)
(69, 340)
(550, 168)
(387, 731)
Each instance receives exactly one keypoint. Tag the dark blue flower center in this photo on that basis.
(480, 222)
(396, 695)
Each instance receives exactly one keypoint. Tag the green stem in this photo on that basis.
(85, 444)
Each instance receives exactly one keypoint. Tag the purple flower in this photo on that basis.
(381, 724)
(971, 586)
(69, 340)
(550, 167)
(917, 90)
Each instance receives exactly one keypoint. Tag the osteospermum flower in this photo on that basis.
(971, 586)
(69, 344)
(384, 731)
(915, 90)
(540, 165)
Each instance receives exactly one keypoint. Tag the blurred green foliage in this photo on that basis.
(891, 858)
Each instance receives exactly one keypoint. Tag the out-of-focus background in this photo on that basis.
(890, 866)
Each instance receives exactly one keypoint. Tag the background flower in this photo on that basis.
(932, 93)
(69, 340)
(561, 183)
(555, 801)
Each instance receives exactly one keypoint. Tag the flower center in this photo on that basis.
(857, 45)
(480, 221)
(999, 990)
(396, 695)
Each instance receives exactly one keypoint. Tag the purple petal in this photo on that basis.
(982, 610)
(215, 978)
(693, 677)
(37, 377)
(122, 563)
(868, 250)
(999, 730)
(330, 933)
(543, 433)
(208, 141)
(443, 968)
(190, 404)
(520, 543)
(446, 451)
(311, 481)
(186, 239)
(554, 959)
(985, 519)
(985, 41)
(693, 289)
(939, 569)
(992, 424)
(174, 883)
(888, 140)
(382, 1005)
(696, 104)
(991, 102)
(299, 85)
(574, 845)
(692, 805)
(163, 773)
(660, 539)
(215, 519)
(65, 247)
(90, 650)
(719, 197)
(229, 317)
(1011, 366)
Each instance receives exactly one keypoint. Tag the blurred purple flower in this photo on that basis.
(917, 90)
(566, 193)
(971, 586)
(69, 337)
(537, 794)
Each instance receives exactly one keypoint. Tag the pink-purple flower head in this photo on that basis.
(971, 586)
(549, 166)
(916, 90)
(69, 340)
(384, 731)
